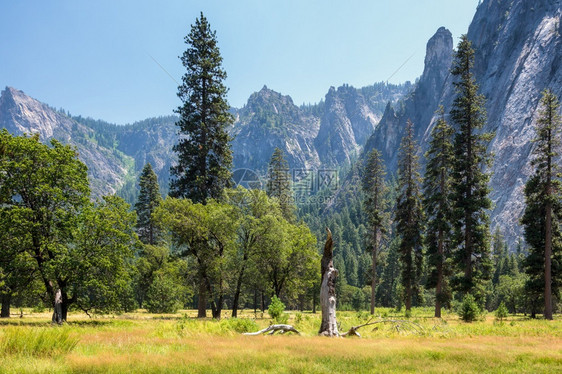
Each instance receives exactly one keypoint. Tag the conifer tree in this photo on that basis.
(409, 216)
(543, 212)
(437, 187)
(376, 206)
(204, 154)
(279, 184)
(469, 180)
(149, 199)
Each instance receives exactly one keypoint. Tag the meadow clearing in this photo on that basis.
(178, 343)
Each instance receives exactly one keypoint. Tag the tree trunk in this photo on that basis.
(374, 277)
(202, 300)
(409, 297)
(238, 290)
(6, 300)
(547, 264)
(262, 302)
(57, 307)
(439, 286)
(314, 303)
(329, 326)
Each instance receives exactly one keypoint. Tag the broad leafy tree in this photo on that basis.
(437, 187)
(543, 211)
(47, 188)
(206, 234)
(409, 217)
(375, 205)
(204, 154)
(469, 180)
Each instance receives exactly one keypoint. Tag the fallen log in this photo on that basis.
(398, 324)
(272, 329)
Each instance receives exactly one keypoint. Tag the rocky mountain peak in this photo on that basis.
(438, 56)
(22, 114)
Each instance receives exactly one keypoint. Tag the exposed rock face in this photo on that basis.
(518, 54)
(328, 134)
(115, 155)
(21, 114)
(420, 105)
(271, 120)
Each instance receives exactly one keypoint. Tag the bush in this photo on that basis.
(469, 310)
(276, 310)
(49, 341)
(239, 325)
(501, 312)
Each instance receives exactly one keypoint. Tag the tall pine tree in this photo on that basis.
(437, 187)
(543, 212)
(279, 184)
(376, 206)
(204, 154)
(469, 180)
(149, 199)
(409, 216)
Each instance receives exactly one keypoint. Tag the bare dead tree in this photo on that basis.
(329, 326)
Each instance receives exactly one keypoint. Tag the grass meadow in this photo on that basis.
(178, 343)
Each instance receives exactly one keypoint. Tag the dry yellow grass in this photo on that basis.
(148, 344)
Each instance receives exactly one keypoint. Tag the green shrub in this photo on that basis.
(501, 312)
(239, 325)
(469, 310)
(40, 341)
(298, 318)
(276, 310)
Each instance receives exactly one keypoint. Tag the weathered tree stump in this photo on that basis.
(329, 326)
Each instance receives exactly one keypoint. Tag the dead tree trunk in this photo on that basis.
(329, 326)
(57, 307)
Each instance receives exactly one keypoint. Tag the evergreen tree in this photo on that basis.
(469, 181)
(437, 187)
(376, 206)
(409, 216)
(148, 201)
(543, 212)
(279, 184)
(204, 154)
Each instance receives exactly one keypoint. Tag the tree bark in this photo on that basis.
(439, 286)
(374, 277)
(6, 300)
(329, 326)
(547, 264)
(57, 307)
(202, 300)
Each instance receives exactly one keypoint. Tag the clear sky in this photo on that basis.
(97, 58)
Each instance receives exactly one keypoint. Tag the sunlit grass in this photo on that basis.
(142, 342)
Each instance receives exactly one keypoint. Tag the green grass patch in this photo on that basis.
(37, 341)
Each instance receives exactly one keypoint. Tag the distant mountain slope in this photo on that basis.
(20, 114)
(518, 47)
(329, 134)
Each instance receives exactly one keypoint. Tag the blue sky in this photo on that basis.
(95, 58)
